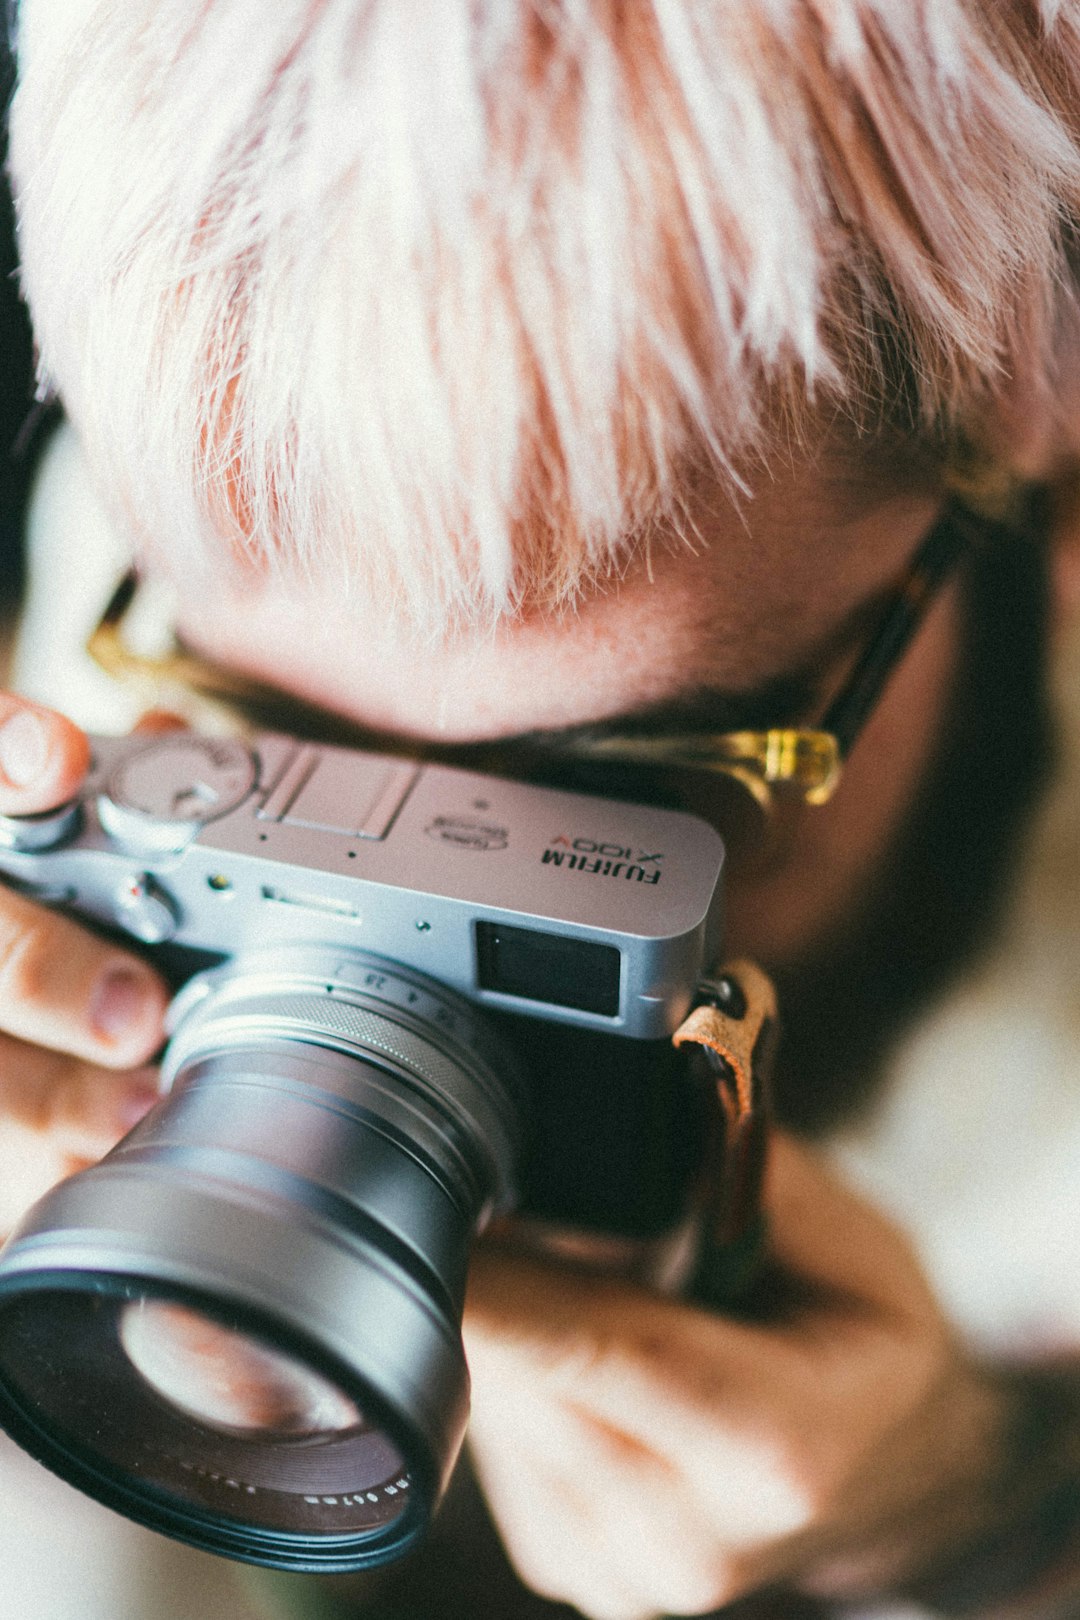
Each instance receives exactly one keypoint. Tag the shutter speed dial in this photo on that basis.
(158, 798)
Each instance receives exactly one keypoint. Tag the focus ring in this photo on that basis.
(471, 1091)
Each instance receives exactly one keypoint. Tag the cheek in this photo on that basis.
(809, 874)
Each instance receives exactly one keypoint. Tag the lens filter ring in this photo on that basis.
(338, 1498)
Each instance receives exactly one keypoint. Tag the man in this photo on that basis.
(513, 371)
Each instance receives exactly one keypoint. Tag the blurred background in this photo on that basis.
(17, 390)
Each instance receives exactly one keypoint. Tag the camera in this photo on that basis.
(410, 997)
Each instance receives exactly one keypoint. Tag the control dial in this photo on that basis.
(159, 795)
(31, 834)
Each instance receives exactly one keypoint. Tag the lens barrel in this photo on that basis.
(243, 1327)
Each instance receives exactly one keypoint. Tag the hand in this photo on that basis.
(79, 1017)
(643, 1457)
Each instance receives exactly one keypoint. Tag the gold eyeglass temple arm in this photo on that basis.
(795, 760)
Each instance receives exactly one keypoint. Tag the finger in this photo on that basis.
(589, 1516)
(677, 1378)
(57, 1115)
(581, 1331)
(652, 1376)
(43, 757)
(648, 1367)
(62, 987)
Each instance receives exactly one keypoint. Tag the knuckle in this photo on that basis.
(652, 1356)
(581, 1359)
(534, 1563)
(535, 1571)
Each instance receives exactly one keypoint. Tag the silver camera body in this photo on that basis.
(434, 995)
(566, 907)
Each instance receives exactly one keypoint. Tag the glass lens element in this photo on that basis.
(228, 1380)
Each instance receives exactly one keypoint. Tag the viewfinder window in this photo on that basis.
(538, 966)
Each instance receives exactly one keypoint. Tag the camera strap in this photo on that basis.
(731, 1038)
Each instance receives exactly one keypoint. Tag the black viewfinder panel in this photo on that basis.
(563, 972)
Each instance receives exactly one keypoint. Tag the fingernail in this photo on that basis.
(122, 1001)
(24, 747)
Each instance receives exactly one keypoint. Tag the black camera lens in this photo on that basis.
(242, 1328)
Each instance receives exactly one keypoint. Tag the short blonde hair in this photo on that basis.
(456, 293)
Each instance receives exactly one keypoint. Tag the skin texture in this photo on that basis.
(639, 1455)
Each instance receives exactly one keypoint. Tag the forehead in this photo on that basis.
(746, 594)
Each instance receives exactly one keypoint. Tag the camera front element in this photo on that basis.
(227, 1380)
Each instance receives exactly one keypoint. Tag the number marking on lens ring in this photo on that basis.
(206, 1473)
(360, 1498)
(396, 990)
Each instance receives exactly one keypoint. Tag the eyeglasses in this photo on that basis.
(795, 762)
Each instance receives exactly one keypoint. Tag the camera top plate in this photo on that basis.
(222, 846)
